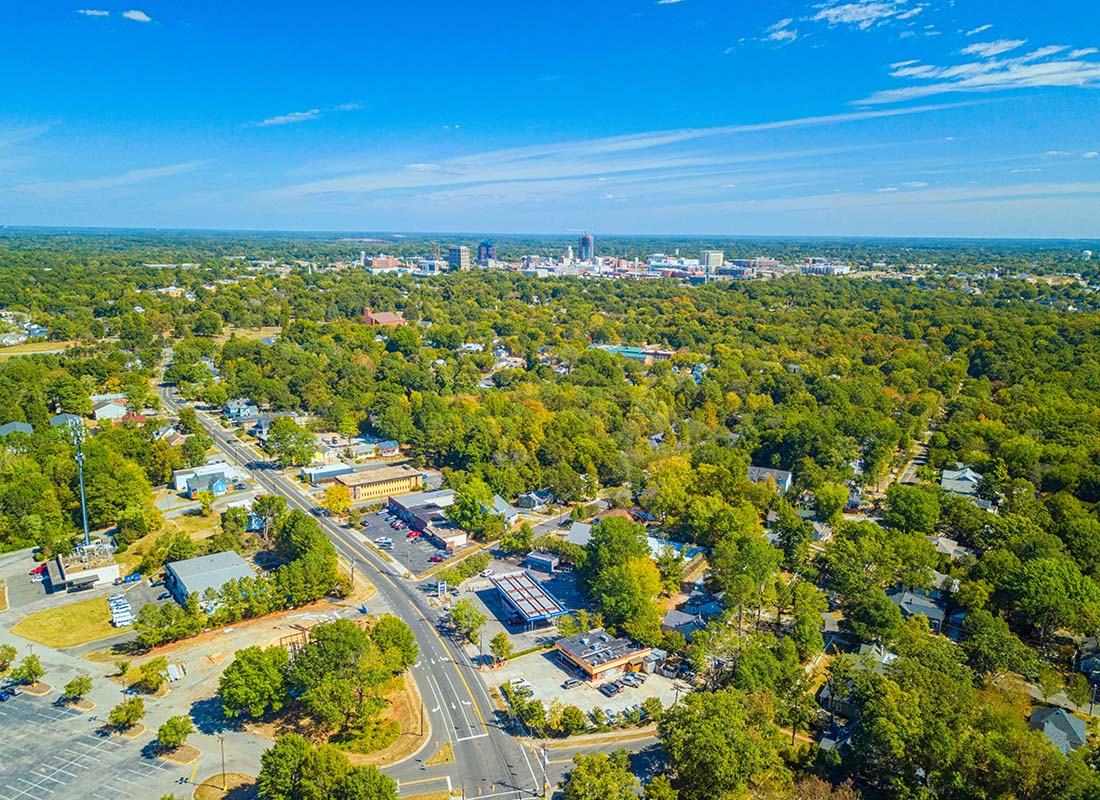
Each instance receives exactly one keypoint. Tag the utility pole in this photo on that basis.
(545, 760)
(221, 738)
(77, 433)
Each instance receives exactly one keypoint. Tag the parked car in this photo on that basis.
(5, 695)
(164, 595)
(41, 568)
(38, 578)
(571, 683)
(382, 512)
(436, 559)
(609, 690)
(486, 573)
(412, 534)
(455, 593)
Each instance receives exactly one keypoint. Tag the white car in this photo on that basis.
(486, 573)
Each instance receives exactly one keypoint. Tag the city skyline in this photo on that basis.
(860, 118)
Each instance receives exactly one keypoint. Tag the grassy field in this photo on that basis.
(34, 347)
(3, 597)
(251, 334)
(68, 625)
(196, 527)
(238, 787)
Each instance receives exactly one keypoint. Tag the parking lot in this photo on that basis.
(414, 554)
(546, 677)
(51, 751)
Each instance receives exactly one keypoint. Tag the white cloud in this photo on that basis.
(915, 184)
(979, 29)
(1090, 154)
(900, 64)
(287, 119)
(668, 2)
(423, 167)
(137, 16)
(781, 32)
(93, 12)
(1056, 154)
(1024, 170)
(887, 189)
(1084, 51)
(130, 178)
(990, 49)
(865, 14)
(949, 138)
(350, 107)
(1043, 67)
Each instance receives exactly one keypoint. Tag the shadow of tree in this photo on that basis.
(209, 717)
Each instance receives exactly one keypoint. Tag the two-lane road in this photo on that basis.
(488, 762)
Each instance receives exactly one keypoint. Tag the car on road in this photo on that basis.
(240, 486)
(436, 559)
(486, 573)
(455, 592)
(571, 683)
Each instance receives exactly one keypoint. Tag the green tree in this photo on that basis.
(365, 783)
(660, 788)
(173, 734)
(7, 656)
(871, 616)
(189, 420)
(289, 442)
(829, 500)
(519, 540)
(281, 766)
(206, 501)
(467, 619)
(397, 642)
(913, 509)
(77, 688)
(127, 714)
(195, 448)
(152, 674)
(501, 646)
(599, 776)
(28, 671)
(255, 682)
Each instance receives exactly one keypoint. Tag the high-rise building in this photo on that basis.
(568, 254)
(486, 251)
(459, 257)
(586, 249)
(711, 260)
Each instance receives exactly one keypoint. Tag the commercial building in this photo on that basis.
(599, 656)
(525, 599)
(486, 251)
(383, 318)
(423, 511)
(712, 259)
(543, 562)
(586, 247)
(326, 473)
(458, 258)
(371, 484)
(196, 575)
(180, 477)
(82, 570)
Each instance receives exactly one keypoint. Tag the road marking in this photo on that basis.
(475, 736)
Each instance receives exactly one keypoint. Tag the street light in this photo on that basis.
(77, 434)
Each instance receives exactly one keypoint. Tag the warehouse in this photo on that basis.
(196, 575)
(526, 602)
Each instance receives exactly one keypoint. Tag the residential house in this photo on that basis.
(383, 318)
(502, 508)
(180, 477)
(240, 410)
(389, 449)
(683, 623)
(169, 434)
(109, 410)
(579, 533)
(1065, 731)
(783, 479)
(950, 548)
(962, 480)
(216, 483)
(9, 428)
(535, 501)
(60, 420)
(912, 604)
(823, 532)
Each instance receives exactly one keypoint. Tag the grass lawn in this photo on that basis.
(238, 787)
(195, 526)
(445, 755)
(34, 347)
(68, 625)
(3, 597)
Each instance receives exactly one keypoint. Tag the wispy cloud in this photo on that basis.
(350, 107)
(886, 189)
(915, 184)
(129, 178)
(865, 14)
(292, 118)
(1084, 51)
(93, 12)
(979, 29)
(136, 16)
(990, 49)
(643, 155)
(1090, 154)
(1043, 67)
(781, 32)
(668, 2)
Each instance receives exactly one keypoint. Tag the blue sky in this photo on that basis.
(842, 117)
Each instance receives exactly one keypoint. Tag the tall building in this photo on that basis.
(459, 257)
(586, 249)
(568, 254)
(486, 251)
(711, 260)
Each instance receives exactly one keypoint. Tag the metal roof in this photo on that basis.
(209, 572)
(526, 595)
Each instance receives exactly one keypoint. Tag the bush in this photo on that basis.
(174, 732)
(75, 689)
(127, 714)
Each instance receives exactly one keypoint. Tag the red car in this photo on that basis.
(412, 534)
(436, 559)
(41, 568)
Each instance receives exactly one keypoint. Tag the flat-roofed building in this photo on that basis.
(370, 484)
(526, 600)
(196, 575)
(600, 656)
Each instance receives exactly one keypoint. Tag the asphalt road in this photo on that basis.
(488, 762)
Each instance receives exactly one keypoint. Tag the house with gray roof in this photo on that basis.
(65, 419)
(911, 604)
(1065, 731)
(196, 575)
(783, 479)
(962, 480)
(9, 428)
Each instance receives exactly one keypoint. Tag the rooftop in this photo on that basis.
(212, 571)
(377, 475)
(598, 647)
(527, 596)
